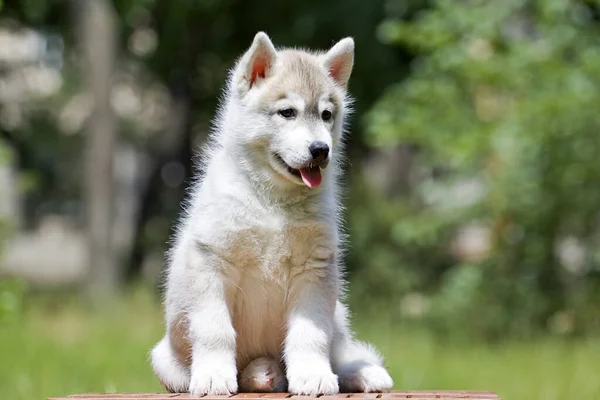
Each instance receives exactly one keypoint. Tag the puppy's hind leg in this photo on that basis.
(169, 371)
(263, 375)
(358, 365)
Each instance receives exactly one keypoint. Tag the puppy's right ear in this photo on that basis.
(256, 64)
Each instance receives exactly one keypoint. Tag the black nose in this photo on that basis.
(319, 151)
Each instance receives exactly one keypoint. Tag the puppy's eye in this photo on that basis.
(287, 113)
(326, 115)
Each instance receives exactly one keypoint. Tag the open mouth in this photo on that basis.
(310, 175)
(289, 169)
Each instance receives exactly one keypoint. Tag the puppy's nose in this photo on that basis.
(319, 151)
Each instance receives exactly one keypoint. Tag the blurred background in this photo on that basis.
(473, 182)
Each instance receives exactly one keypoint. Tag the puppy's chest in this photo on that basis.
(279, 245)
(268, 255)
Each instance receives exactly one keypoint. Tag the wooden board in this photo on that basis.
(399, 395)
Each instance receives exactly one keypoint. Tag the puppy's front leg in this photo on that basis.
(308, 340)
(213, 369)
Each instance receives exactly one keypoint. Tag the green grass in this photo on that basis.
(59, 350)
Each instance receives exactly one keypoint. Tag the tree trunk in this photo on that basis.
(174, 145)
(97, 33)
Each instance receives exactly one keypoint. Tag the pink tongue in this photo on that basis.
(311, 176)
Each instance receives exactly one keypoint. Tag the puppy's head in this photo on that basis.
(289, 107)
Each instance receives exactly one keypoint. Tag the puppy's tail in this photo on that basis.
(171, 374)
(359, 365)
(346, 349)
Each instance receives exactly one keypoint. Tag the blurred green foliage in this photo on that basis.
(500, 108)
(12, 291)
(12, 295)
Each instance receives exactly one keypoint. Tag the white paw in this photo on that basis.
(313, 380)
(262, 375)
(370, 378)
(213, 380)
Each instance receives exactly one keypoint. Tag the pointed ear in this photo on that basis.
(339, 61)
(257, 62)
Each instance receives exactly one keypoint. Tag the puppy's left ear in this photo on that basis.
(256, 64)
(339, 61)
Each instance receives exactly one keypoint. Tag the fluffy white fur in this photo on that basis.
(254, 276)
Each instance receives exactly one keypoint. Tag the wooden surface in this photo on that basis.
(420, 395)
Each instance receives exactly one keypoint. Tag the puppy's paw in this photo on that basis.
(214, 379)
(263, 375)
(312, 380)
(369, 378)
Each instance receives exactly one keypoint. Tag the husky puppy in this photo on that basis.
(254, 276)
